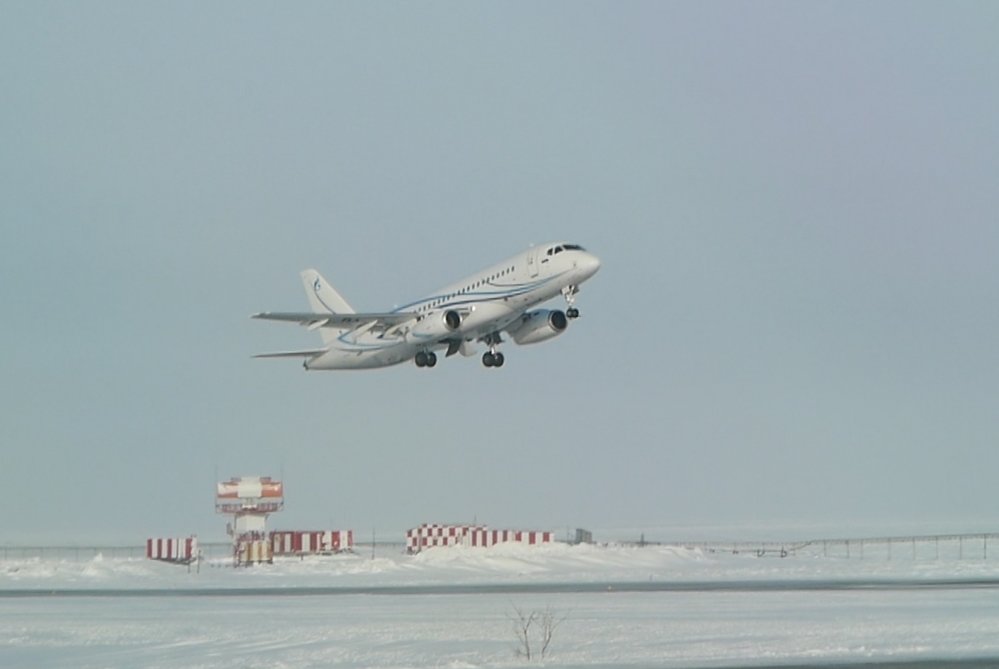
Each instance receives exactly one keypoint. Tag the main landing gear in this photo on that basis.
(426, 359)
(493, 359)
(569, 293)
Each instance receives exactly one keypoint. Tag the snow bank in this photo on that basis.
(502, 564)
(273, 625)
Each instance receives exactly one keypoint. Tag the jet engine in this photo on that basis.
(539, 325)
(437, 324)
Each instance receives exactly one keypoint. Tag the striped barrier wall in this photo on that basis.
(434, 535)
(183, 550)
(308, 542)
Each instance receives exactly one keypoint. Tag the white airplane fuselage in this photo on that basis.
(496, 300)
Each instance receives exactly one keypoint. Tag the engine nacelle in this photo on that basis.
(436, 324)
(540, 325)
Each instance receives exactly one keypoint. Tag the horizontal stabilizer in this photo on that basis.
(292, 354)
(329, 320)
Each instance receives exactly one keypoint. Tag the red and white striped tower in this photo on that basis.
(249, 500)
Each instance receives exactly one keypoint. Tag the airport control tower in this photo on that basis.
(249, 499)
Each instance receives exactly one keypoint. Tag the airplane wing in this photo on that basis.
(321, 320)
(292, 354)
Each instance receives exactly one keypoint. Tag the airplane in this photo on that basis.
(500, 300)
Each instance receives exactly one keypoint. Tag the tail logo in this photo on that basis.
(317, 285)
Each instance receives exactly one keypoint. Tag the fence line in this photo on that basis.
(923, 548)
(978, 546)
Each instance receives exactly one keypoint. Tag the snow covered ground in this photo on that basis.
(739, 610)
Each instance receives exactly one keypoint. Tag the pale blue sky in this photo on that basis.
(795, 204)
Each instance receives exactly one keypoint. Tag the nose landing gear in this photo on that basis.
(569, 293)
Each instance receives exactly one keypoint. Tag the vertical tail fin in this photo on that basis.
(323, 298)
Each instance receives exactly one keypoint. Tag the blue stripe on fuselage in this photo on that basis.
(514, 290)
(450, 299)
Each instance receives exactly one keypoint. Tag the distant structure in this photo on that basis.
(311, 542)
(249, 500)
(174, 550)
(432, 535)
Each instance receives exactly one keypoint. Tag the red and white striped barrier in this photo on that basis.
(492, 537)
(298, 542)
(175, 550)
(432, 535)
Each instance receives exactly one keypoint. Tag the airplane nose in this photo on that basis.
(588, 264)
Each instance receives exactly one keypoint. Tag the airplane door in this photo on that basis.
(532, 262)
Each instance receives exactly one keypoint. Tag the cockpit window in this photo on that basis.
(554, 250)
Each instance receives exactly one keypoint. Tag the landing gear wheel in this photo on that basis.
(490, 359)
(569, 293)
(421, 359)
(431, 359)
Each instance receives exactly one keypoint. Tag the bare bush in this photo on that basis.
(534, 631)
(549, 623)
